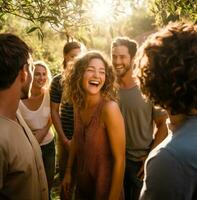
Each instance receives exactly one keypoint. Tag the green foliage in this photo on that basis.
(100, 34)
(46, 25)
(59, 14)
(139, 23)
(172, 10)
(49, 49)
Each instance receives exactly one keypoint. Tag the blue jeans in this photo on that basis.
(132, 185)
(48, 156)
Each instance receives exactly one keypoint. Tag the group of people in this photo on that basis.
(110, 120)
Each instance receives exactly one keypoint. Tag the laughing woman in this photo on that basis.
(98, 144)
(36, 112)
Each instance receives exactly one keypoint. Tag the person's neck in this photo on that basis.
(36, 92)
(177, 120)
(9, 100)
(128, 81)
(91, 101)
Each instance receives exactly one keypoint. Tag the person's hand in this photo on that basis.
(38, 135)
(67, 143)
(67, 185)
(140, 173)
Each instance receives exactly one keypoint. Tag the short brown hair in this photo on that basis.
(132, 45)
(14, 54)
(69, 46)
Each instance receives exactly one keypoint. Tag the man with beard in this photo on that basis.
(139, 116)
(22, 173)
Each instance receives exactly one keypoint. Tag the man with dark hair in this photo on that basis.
(22, 173)
(168, 76)
(139, 117)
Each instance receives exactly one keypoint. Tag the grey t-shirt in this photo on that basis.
(138, 116)
(171, 168)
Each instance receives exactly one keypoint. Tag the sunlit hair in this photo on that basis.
(132, 45)
(69, 47)
(45, 66)
(73, 78)
(168, 67)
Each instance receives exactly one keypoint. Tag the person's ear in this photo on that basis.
(23, 74)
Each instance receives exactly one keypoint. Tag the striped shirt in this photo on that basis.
(66, 110)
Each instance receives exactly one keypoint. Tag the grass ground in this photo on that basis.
(55, 192)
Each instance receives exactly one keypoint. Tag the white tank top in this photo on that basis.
(38, 119)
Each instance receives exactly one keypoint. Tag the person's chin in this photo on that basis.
(25, 95)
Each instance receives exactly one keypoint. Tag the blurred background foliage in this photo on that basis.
(172, 10)
(46, 25)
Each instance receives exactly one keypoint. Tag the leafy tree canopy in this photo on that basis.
(93, 22)
(172, 10)
(59, 14)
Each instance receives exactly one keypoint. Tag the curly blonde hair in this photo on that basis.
(73, 91)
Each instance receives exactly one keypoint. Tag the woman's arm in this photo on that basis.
(114, 123)
(68, 172)
(57, 123)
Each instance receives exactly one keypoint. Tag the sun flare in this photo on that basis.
(102, 10)
(108, 10)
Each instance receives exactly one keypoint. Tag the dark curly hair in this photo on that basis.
(167, 64)
(73, 91)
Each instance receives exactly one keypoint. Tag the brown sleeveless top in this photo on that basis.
(94, 157)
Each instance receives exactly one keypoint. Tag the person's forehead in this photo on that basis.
(39, 68)
(96, 62)
(75, 51)
(120, 50)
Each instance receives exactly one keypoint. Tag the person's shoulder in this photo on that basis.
(178, 147)
(162, 159)
(162, 173)
(8, 127)
(57, 77)
(4, 121)
(111, 114)
(109, 106)
(110, 110)
(159, 113)
(183, 144)
(158, 109)
(56, 81)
